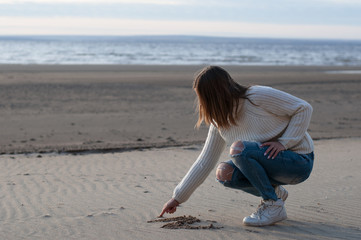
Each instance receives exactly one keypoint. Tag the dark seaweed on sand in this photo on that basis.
(183, 222)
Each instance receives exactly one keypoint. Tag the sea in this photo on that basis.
(177, 50)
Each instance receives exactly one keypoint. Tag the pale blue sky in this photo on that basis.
(339, 19)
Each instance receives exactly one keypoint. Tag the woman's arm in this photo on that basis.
(283, 104)
(201, 168)
(199, 171)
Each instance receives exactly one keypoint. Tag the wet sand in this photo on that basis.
(110, 107)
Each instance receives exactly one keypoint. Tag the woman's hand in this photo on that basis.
(170, 207)
(273, 149)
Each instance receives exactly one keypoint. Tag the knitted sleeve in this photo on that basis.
(283, 104)
(201, 168)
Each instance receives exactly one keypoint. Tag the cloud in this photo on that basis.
(259, 18)
(101, 26)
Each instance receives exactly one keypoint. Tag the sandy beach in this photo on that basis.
(56, 108)
(94, 151)
(113, 195)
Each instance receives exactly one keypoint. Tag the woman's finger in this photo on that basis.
(273, 149)
(265, 144)
(275, 153)
(165, 210)
(268, 149)
(272, 152)
(162, 213)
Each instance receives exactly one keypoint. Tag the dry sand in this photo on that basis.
(112, 194)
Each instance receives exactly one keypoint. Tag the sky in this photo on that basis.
(304, 19)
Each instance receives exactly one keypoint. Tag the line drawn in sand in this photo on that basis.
(184, 222)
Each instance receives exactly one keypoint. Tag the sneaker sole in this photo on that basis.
(264, 224)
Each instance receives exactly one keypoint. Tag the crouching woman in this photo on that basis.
(266, 130)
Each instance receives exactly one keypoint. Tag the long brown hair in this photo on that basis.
(218, 97)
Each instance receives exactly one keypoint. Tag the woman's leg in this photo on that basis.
(230, 176)
(287, 168)
(253, 171)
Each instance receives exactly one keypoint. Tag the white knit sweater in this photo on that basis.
(275, 115)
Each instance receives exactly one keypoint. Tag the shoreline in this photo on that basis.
(119, 67)
(75, 150)
(78, 149)
(79, 108)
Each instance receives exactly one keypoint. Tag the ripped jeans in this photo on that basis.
(254, 173)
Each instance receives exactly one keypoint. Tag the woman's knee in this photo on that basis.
(236, 148)
(224, 172)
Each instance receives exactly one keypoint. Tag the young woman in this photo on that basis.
(269, 144)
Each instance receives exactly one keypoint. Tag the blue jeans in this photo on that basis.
(255, 174)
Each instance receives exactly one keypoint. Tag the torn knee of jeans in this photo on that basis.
(236, 148)
(224, 172)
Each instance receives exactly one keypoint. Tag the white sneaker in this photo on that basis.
(281, 192)
(268, 213)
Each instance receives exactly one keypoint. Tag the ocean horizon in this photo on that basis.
(178, 50)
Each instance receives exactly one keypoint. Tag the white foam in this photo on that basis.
(344, 72)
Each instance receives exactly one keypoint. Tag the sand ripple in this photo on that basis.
(112, 196)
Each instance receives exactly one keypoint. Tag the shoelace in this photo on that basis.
(260, 209)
